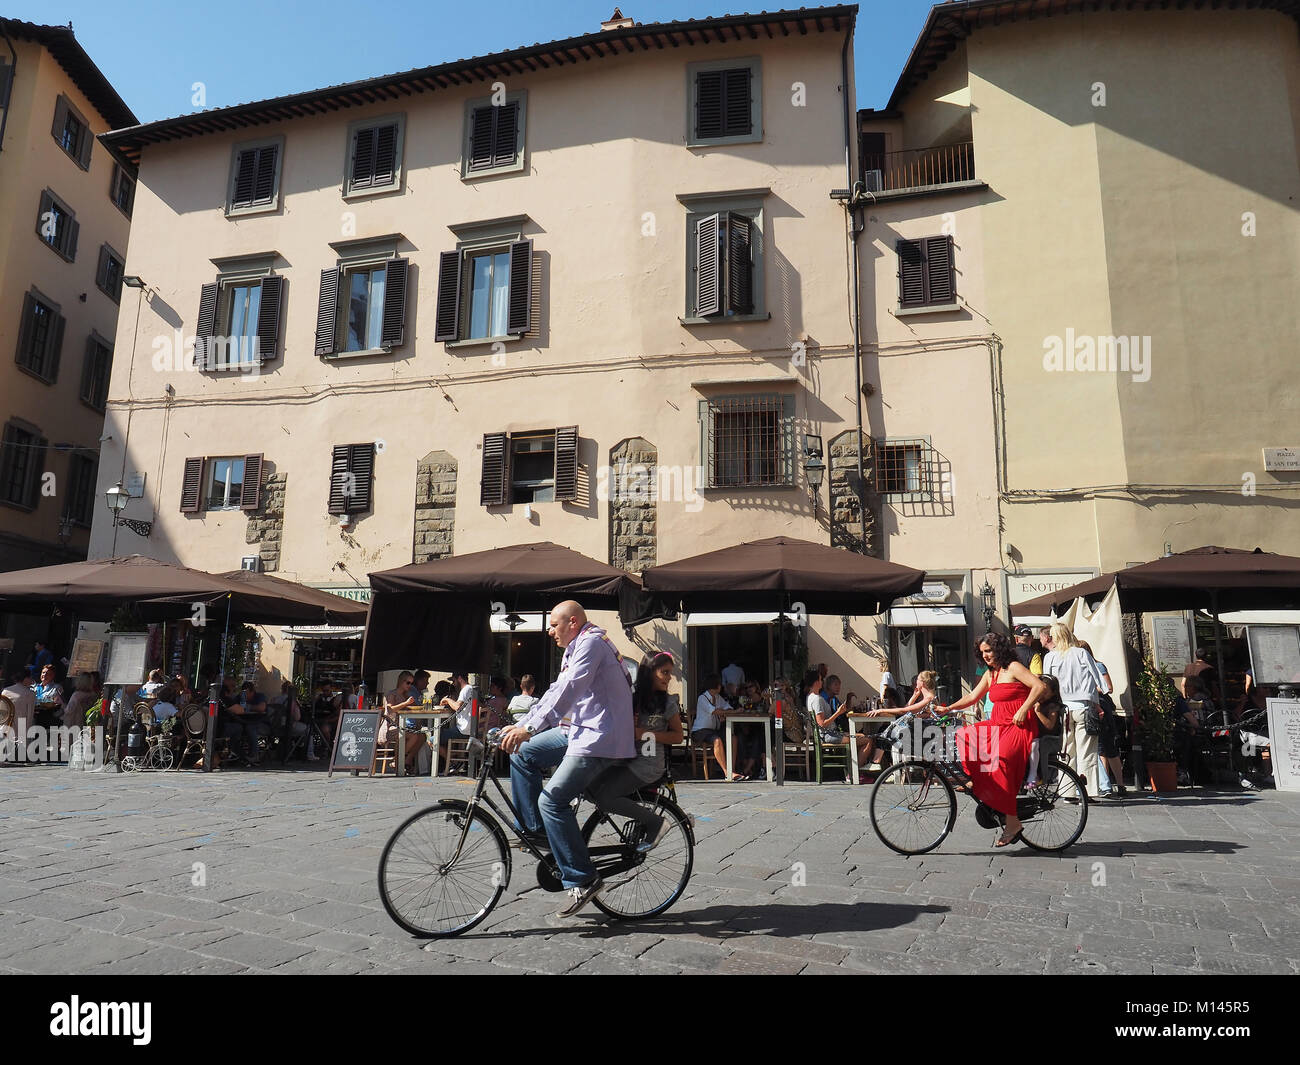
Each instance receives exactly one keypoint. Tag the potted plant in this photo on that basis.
(1153, 702)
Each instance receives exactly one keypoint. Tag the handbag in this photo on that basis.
(1092, 720)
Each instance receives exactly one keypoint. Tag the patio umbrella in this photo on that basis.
(1209, 578)
(96, 588)
(437, 612)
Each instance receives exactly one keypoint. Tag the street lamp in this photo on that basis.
(813, 466)
(990, 600)
(117, 498)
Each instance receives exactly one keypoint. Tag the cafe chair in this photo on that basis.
(701, 755)
(7, 713)
(194, 726)
(829, 755)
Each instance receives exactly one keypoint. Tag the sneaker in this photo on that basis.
(580, 896)
(647, 845)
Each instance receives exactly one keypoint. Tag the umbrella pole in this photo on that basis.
(1218, 646)
(214, 694)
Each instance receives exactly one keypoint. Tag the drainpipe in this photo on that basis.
(13, 78)
(855, 231)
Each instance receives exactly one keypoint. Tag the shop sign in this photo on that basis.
(347, 591)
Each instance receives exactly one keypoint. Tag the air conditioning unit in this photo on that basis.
(251, 562)
(875, 180)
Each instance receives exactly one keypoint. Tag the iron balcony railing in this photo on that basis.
(915, 168)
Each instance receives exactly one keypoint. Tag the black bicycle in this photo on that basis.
(914, 806)
(445, 867)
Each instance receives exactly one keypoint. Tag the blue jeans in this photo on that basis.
(527, 767)
(568, 847)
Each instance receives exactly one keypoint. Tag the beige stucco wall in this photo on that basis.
(30, 162)
(938, 111)
(1127, 219)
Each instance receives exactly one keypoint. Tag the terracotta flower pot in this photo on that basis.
(1164, 776)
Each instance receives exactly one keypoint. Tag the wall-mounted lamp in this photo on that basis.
(117, 498)
(989, 599)
(814, 467)
(133, 281)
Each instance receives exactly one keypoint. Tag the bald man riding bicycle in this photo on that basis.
(591, 703)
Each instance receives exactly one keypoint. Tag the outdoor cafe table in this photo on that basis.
(742, 716)
(437, 717)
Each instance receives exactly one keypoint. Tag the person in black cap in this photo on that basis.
(1025, 649)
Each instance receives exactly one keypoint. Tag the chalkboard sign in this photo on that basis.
(1284, 742)
(354, 744)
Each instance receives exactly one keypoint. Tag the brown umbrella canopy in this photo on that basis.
(435, 614)
(1209, 578)
(781, 571)
(263, 597)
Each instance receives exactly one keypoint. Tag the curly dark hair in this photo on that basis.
(1003, 649)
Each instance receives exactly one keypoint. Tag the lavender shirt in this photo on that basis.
(592, 697)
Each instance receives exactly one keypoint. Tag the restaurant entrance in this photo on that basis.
(711, 647)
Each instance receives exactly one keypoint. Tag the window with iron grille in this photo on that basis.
(79, 508)
(255, 176)
(748, 440)
(22, 455)
(40, 337)
(724, 102)
(494, 135)
(905, 470)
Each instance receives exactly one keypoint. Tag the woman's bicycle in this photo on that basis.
(914, 806)
(445, 867)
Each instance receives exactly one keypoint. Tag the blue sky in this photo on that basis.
(153, 51)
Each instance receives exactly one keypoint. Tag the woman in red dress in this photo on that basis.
(995, 753)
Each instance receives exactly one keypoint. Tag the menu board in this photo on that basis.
(1284, 741)
(85, 657)
(1275, 653)
(126, 655)
(354, 744)
(1173, 643)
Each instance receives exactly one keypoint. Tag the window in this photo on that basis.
(372, 292)
(255, 177)
(724, 258)
(40, 337)
(748, 440)
(926, 275)
(95, 371)
(533, 467)
(57, 226)
(352, 471)
(374, 156)
(905, 470)
(121, 190)
(225, 483)
(494, 135)
(108, 276)
(239, 318)
(485, 291)
(724, 102)
(72, 132)
(79, 507)
(22, 456)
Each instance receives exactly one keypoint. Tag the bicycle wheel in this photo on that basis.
(638, 886)
(425, 895)
(912, 807)
(1054, 813)
(161, 758)
(131, 764)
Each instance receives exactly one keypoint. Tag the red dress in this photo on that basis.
(995, 752)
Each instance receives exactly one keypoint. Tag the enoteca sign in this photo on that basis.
(1024, 586)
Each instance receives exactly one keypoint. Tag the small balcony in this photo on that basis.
(917, 169)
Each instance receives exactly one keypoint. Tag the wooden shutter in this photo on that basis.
(447, 322)
(385, 165)
(363, 158)
(339, 471)
(481, 127)
(566, 463)
(268, 318)
(101, 271)
(192, 487)
(245, 177)
(250, 493)
(204, 353)
(505, 135)
(911, 274)
(740, 265)
(708, 267)
(394, 323)
(940, 279)
(361, 463)
(36, 467)
(327, 312)
(88, 372)
(60, 118)
(492, 489)
(708, 104)
(265, 184)
(68, 238)
(86, 146)
(47, 205)
(519, 316)
(25, 330)
(738, 115)
(54, 348)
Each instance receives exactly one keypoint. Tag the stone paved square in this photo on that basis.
(273, 871)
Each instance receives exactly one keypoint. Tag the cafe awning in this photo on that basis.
(926, 617)
(760, 617)
(323, 632)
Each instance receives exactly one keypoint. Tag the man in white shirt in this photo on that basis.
(24, 699)
(732, 678)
